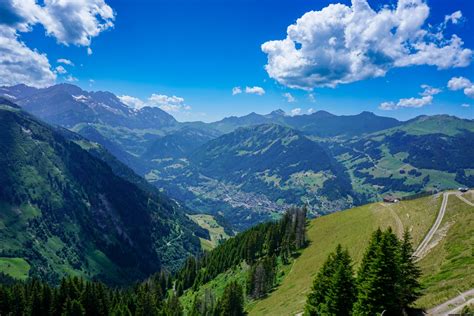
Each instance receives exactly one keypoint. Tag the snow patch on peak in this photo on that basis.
(80, 98)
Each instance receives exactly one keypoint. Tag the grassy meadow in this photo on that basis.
(352, 229)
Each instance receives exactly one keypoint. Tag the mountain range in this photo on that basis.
(72, 207)
(249, 169)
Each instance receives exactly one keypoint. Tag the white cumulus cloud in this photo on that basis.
(132, 102)
(61, 70)
(20, 64)
(255, 90)
(295, 111)
(236, 90)
(68, 21)
(71, 78)
(469, 91)
(166, 103)
(248, 90)
(414, 102)
(429, 90)
(289, 97)
(461, 83)
(454, 17)
(65, 61)
(342, 44)
(172, 102)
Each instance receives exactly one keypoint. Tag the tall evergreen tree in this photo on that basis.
(146, 302)
(172, 306)
(378, 282)
(121, 310)
(73, 308)
(410, 289)
(232, 301)
(261, 277)
(333, 291)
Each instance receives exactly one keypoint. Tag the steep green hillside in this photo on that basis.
(324, 124)
(217, 233)
(65, 212)
(442, 124)
(447, 268)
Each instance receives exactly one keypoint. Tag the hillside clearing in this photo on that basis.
(17, 268)
(216, 231)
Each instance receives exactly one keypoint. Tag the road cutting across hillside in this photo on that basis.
(422, 247)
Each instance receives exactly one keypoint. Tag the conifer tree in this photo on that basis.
(146, 303)
(73, 308)
(378, 288)
(261, 277)
(121, 310)
(409, 273)
(204, 306)
(173, 306)
(232, 301)
(333, 291)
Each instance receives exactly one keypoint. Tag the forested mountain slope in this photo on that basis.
(65, 212)
(269, 269)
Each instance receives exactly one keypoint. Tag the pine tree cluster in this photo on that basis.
(386, 281)
(76, 297)
(230, 304)
(261, 278)
(280, 238)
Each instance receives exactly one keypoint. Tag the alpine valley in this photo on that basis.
(236, 158)
(108, 210)
(246, 170)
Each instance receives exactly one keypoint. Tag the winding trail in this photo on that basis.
(396, 218)
(462, 198)
(419, 252)
(454, 305)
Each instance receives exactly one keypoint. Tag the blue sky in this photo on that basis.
(200, 50)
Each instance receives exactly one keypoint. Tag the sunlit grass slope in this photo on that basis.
(216, 231)
(352, 229)
(449, 267)
(17, 268)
